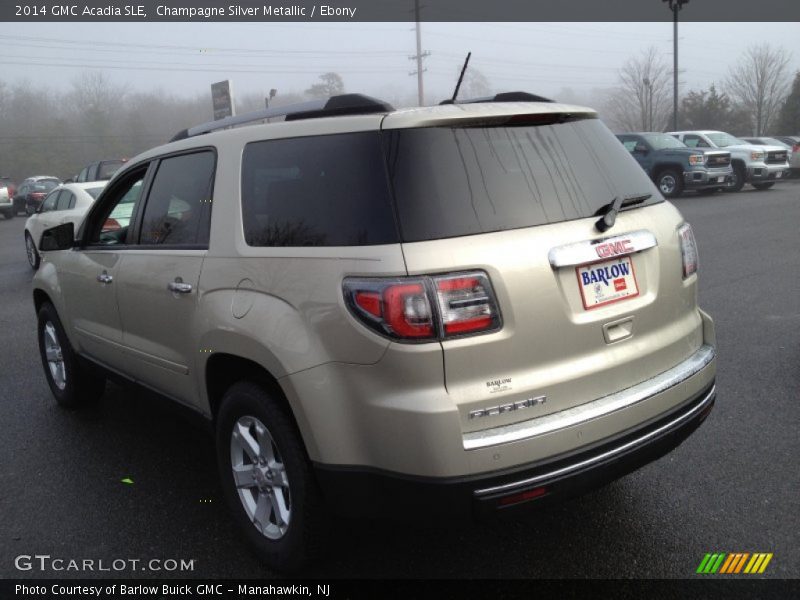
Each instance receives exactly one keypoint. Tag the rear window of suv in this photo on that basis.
(338, 190)
(458, 181)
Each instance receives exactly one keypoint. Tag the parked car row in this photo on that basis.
(28, 197)
(710, 161)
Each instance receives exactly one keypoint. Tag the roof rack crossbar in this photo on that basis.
(258, 115)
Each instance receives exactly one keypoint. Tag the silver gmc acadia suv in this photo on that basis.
(453, 309)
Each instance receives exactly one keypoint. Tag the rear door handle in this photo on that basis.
(179, 287)
(105, 278)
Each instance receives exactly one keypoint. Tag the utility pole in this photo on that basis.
(418, 57)
(675, 6)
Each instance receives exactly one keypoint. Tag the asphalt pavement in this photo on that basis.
(734, 486)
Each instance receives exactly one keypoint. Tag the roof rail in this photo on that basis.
(343, 104)
(503, 97)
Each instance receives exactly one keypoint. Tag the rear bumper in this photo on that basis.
(364, 492)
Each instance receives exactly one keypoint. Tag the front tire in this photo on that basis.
(30, 250)
(739, 176)
(763, 186)
(670, 183)
(267, 478)
(71, 384)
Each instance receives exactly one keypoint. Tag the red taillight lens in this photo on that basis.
(466, 304)
(796, 148)
(402, 308)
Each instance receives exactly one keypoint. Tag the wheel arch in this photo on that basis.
(223, 369)
(659, 169)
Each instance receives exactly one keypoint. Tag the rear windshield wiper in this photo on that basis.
(610, 210)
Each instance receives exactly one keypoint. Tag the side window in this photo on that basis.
(72, 201)
(629, 143)
(50, 202)
(695, 141)
(178, 208)
(91, 175)
(64, 199)
(111, 225)
(82, 175)
(328, 190)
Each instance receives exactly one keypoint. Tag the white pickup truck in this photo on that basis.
(760, 166)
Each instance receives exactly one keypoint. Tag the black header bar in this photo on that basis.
(362, 11)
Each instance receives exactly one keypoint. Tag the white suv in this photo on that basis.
(439, 311)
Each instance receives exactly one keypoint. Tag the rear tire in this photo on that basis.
(763, 186)
(739, 176)
(670, 183)
(71, 384)
(30, 249)
(276, 503)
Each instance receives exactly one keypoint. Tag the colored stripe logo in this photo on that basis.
(733, 563)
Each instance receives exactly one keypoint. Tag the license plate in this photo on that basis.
(720, 179)
(778, 175)
(608, 281)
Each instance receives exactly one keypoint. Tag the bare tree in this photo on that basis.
(759, 83)
(642, 99)
(331, 84)
(475, 84)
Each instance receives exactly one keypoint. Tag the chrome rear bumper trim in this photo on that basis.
(591, 410)
(510, 487)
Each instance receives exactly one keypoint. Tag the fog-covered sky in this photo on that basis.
(544, 58)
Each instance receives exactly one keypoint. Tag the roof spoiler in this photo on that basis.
(503, 97)
(344, 104)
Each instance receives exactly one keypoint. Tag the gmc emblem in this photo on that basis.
(614, 248)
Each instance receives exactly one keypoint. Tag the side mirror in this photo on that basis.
(61, 237)
(640, 149)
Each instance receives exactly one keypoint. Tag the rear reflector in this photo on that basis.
(691, 260)
(403, 307)
(522, 496)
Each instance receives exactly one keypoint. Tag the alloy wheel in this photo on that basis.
(55, 357)
(260, 477)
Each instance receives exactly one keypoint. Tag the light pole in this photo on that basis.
(675, 6)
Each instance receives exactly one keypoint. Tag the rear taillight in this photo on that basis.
(691, 260)
(795, 148)
(424, 308)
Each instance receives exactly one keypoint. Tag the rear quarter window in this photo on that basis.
(328, 190)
